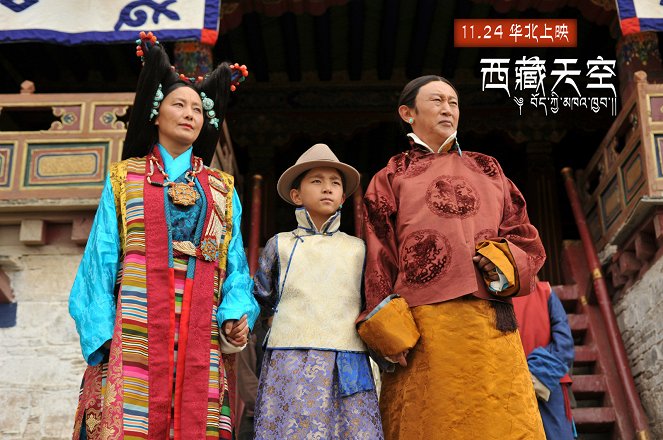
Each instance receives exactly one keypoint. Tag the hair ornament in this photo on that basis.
(144, 43)
(158, 97)
(208, 106)
(190, 80)
(238, 75)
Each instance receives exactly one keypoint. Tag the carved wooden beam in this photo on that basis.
(33, 232)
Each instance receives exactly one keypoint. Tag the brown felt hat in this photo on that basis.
(319, 155)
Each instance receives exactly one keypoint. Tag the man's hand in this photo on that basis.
(399, 358)
(236, 331)
(487, 266)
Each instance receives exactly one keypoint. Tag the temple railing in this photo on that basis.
(55, 152)
(621, 190)
(55, 149)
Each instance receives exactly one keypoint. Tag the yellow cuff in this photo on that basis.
(391, 330)
(500, 255)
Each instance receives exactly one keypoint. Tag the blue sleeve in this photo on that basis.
(549, 364)
(354, 373)
(92, 299)
(237, 289)
(266, 277)
(561, 340)
(548, 368)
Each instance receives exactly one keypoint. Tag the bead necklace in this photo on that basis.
(181, 193)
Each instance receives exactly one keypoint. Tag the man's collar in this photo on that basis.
(450, 144)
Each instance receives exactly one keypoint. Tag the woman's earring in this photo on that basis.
(410, 121)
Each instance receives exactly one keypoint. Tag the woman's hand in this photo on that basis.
(487, 266)
(236, 331)
(399, 358)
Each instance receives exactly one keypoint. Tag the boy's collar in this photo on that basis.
(305, 222)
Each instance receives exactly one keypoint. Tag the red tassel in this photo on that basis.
(567, 402)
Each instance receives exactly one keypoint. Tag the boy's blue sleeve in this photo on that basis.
(237, 289)
(266, 277)
(92, 299)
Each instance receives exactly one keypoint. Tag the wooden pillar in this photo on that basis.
(543, 206)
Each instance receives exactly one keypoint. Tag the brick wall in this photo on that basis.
(640, 317)
(41, 365)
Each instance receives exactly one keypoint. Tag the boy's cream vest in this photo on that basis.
(320, 276)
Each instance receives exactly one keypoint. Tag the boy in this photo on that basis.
(315, 380)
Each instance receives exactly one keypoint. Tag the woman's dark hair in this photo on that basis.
(142, 134)
(411, 90)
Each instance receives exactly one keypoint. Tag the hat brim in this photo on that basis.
(284, 185)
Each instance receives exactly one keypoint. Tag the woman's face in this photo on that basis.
(180, 119)
(435, 114)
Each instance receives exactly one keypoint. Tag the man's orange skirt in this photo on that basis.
(464, 380)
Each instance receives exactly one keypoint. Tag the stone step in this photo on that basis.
(594, 420)
(585, 354)
(578, 324)
(588, 386)
(568, 295)
(585, 362)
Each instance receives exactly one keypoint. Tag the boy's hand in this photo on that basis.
(399, 358)
(236, 331)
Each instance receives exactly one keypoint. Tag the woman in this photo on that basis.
(163, 287)
(448, 242)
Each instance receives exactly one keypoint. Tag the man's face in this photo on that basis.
(435, 113)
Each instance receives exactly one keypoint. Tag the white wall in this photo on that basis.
(40, 361)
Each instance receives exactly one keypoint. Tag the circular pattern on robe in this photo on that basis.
(378, 286)
(483, 235)
(378, 210)
(451, 196)
(425, 257)
(481, 164)
(411, 164)
(398, 164)
(418, 165)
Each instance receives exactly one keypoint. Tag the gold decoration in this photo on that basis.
(183, 194)
(596, 274)
(92, 421)
(72, 164)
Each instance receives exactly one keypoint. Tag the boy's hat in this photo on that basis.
(319, 155)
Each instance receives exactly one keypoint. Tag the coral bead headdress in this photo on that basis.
(157, 79)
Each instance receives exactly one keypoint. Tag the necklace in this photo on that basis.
(181, 193)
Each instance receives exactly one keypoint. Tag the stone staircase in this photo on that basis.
(600, 411)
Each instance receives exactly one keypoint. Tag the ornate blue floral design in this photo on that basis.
(140, 17)
(18, 7)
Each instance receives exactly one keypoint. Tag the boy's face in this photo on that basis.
(321, 192)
